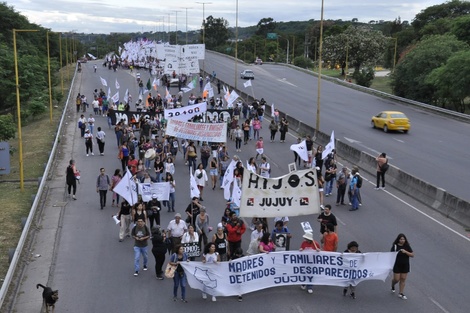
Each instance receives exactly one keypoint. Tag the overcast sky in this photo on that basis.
(105, 16)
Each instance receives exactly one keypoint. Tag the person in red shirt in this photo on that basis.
(235, 230)
(132, 164)
(309, 244)
(330, 239)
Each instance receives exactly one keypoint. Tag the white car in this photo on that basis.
(247, 74)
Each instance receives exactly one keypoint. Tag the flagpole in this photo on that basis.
(252, 91)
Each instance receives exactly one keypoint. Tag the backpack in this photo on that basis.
(359, 181)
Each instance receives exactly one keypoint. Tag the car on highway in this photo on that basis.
(258, 61)
(391, 120)
(247, 74)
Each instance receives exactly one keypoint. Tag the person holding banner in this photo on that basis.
(401, 268)
(309, 244)
(220, 241)
(353, 247)
(212, 257)
(266, 244)
(190, 237)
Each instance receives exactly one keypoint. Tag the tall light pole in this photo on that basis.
(18, 104)
(186, 23)
(203, 29)
(236, 46)
(317, 125)
(49, 76)
(169, 30)
(61, 70)
(395, 53)
(176, 24)
(287, 56)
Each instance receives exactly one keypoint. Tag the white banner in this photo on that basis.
(300, 149)
(186, 113)
(293, 194)
(262, 271)
(162, 190)
(210, 132)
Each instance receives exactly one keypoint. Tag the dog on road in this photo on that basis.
(49, 297)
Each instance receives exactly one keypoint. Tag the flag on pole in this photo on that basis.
(117, 84)
(127, 189)
(301, 150)
(115, 98)
(272, 109)
(232, 98)
(167, 94)
(247, 83)
(149, 86)
(193, 186)
(330, 146)
(109, 92)
(126, 96)
(226, 92)
(155, 83)
(207, 86)
(104, 82)
(236, 194)
(228, 179)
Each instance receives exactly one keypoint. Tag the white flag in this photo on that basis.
(226, 93)
(104, 82)
(127, 189)
(236, 194)
(330, 146)
(247, 83)
(207, 86)
(301, 150)
(167, 94)
(272, 109)
(115, 98)
(155, 83)
(193, 186)
(117, 84)
(232, 98)
(109, 92)
(126, 96)
(228, 179)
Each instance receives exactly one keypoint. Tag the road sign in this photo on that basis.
(271, 36)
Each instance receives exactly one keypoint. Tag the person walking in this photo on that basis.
(220, 241)
(202, 226)
(91, 123)
(71, 179)
(283, 129)
(170, 203)
(259, 148)
(114, 182)
(210, 256)
(353, 247)
(213, 172)
(326, 217)
(100, 135)
(309, 244)
(401, 268)
(158, 251)
(238, 133)
(82, 125)
(124, 154)
(141, 234)
(235, 230)
(329, 239)
(273, 127)
(179, 280)
(88, 142)
(341, 184)
(176, 228)
(201, 179)
(153, 208)
(103, 183)
(382, 167)
(124, 215)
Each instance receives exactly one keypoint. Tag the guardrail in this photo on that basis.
(24, 234)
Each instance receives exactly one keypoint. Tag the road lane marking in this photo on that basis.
(283, 80)
(399, 140)
(438, 305)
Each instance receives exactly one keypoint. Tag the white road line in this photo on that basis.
(299, 309)
(438, 305)
(286, 82)
(399, 140)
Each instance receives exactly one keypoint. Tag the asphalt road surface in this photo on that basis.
(436, 149)
(94, 271)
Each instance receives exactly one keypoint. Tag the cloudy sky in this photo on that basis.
(105, 16)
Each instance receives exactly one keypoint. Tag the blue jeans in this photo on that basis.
(158, 177)
(91, 127)
(192, 163)
(354, 200)
(137, 252)
(147, 163)
(170, 204)
(329, 186)
(179, 280)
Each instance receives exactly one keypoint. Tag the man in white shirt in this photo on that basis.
(265, 168)
(176, 229)
(91, 123)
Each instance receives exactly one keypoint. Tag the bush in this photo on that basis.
(303, 62)
(364, 77)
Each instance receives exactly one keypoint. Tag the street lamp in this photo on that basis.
(18, 104)
(317, 125)
(49, 76)
(176, 24)
(203, 29)
(186, 23)
(288, 44)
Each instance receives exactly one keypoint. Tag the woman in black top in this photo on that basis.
(139, 213)
(158, 251)
(401, 267)
(71, 179)
(284, 128)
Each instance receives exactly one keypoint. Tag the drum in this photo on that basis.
(150, 154)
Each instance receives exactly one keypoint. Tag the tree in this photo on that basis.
(451, 80)
(216, 32)
(265, 26)
(364, 46)
(461, 28)
(364, 77)
(452, 9)
(7, 127)
(409, 77)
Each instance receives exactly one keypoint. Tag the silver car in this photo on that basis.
(247, 74)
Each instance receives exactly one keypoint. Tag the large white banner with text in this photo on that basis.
(262, 271)
(187, 112)
(162, 190)
(291, 195)
(210, 132)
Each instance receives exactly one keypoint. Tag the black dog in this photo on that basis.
(49, 297)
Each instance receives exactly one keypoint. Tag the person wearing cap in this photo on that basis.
(353, 247)
(88, 142)
(153, 208)
(221, 243)
(309, 244)
(176, 229)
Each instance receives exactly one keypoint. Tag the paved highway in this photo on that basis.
(94, 271)
(436, 149)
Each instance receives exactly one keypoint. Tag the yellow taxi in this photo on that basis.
(391, 120)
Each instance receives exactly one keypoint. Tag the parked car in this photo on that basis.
(391, 120)
(247, 74)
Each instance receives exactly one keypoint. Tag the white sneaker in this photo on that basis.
(214, 299)
(303, 287)
(204, 296)
(310, 291)
(92, 153)
(87, 154)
